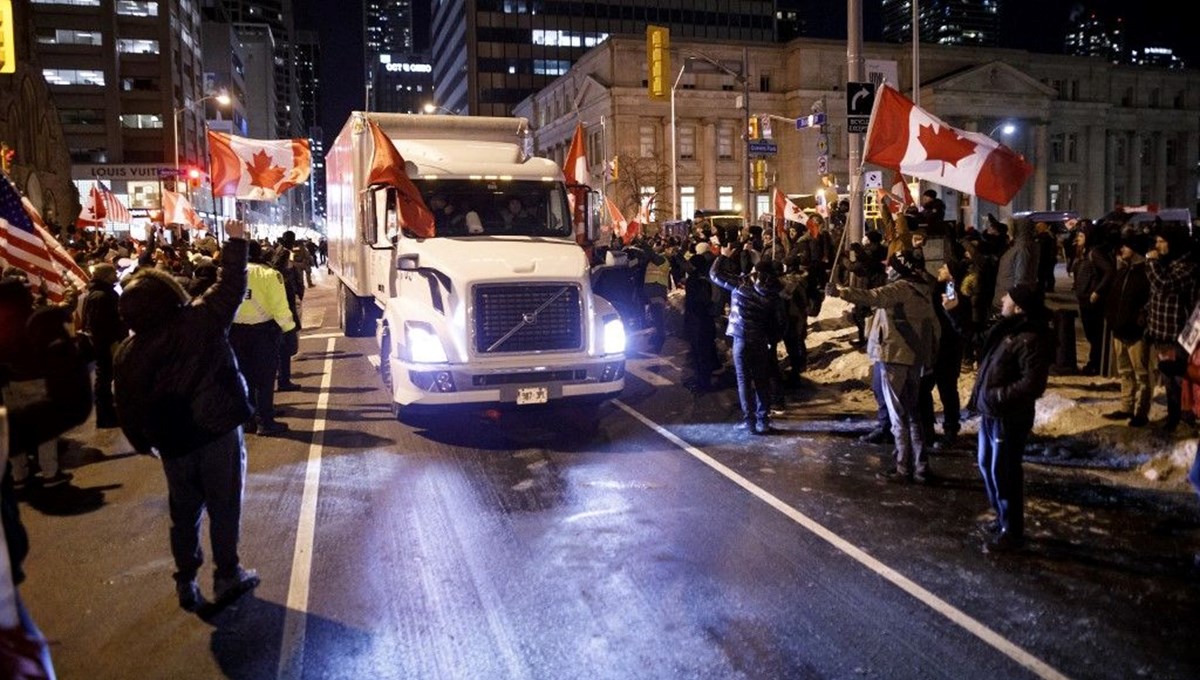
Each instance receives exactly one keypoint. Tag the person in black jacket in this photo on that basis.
(103, 322)
(34, 343)
(1013, 371)
(179, 390)
(1126, 316)
(757, 317)
(1094, 270)
(699, 325)
(954, 316)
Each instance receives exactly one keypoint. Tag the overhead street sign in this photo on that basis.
(810, 121)
(762, 147)
(860, 99)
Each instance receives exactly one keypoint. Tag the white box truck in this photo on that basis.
(494, 311)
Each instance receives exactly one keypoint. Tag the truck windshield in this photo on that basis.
(484, 207)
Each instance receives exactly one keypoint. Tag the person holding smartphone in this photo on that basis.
(954, 317)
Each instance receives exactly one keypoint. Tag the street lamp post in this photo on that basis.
(1004, 127)
(430, 107)
(221, 98)
(674, 151)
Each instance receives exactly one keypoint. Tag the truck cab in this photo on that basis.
(495, 310)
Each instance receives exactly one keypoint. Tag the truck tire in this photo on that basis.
(354, 314)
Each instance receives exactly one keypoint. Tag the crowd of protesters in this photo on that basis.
(164, 342)
(981, 310)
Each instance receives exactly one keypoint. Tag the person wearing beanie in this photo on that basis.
(1013, 371)
(933, 212)
(102, 321)
(902, 337)
(758, 316)
(179, 392)
(1172, 272)
(1125, 316)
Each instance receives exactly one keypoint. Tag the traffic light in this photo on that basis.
(760, 175)
(8, 53)
(615, 167)
(752, 132)
(194, 175)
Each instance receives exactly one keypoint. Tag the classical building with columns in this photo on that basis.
(1096, 134)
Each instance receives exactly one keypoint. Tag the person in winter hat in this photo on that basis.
(901, 340)
(758, 315)
(179, 392)
(1013, 370)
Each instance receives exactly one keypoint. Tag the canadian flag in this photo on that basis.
(388, 167)
(785, 211)
(575, 167)
(619, 223)
(257, 169)
(899, 198)
(904, 137)
(177, 209)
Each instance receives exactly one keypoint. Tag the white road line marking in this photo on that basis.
(320, 336)
(373, 359)
(638, 368)
(971, 625)
(295, 623)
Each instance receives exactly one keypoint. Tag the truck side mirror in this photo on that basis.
(592, 216)
(408, 262)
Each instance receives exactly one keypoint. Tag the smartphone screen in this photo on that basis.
(950, 290)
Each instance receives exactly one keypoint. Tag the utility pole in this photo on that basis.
(746, 129)
(854, 221)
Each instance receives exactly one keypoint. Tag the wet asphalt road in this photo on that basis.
(668, 546)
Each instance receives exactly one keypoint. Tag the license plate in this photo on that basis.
(532, 395)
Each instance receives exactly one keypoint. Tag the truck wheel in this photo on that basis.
(353, 314)
(385, 370)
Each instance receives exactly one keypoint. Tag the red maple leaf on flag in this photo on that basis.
(263, 172)
(944, 144)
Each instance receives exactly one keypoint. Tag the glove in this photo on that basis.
(831, 290)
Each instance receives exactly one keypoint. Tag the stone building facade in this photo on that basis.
(1097, 134)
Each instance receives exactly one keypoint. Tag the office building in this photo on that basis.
(1092, 36)
(488, 55)
(1096, 133)
(278, 16)
(944, 22)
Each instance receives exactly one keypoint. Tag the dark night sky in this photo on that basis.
(1035, 25)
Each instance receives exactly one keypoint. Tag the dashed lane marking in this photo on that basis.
(295, 624)
(320, 336)
(957, 616)
(641, 369)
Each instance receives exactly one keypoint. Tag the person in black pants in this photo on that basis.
(1094, 274)
(103, 322)
(1013, 372)
(757, 316)
(178, 391)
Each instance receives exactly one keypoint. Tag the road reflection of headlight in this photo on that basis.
(424, 346)
(614, 336)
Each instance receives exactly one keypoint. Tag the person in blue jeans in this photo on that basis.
(758, 315)
(1013, 372)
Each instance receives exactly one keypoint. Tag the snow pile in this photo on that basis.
(1069, 427)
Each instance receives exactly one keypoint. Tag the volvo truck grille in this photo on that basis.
(528, 318)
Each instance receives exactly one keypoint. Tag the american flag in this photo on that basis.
(20, 244)
(106, 205)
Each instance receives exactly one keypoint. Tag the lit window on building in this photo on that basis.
(725, 142)
(551, 67)
(137, 46)
(70, 76)
(567, 38)
(63, 36)
(724, 198)
(132, 8)
(78, 3)
(142, 121)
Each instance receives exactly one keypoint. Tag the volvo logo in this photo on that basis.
(529, 318)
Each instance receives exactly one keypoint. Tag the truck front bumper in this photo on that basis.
(433, 386)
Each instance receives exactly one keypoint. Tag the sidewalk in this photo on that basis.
(1069, 429)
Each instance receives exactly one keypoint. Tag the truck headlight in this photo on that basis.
(614, 335)
(424, 346)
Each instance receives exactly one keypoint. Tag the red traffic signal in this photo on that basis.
(195, 177)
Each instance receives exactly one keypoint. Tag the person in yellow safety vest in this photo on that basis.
(654, 286)
(256, 335)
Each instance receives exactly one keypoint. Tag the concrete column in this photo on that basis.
(1090, 200)
(970, 213)
(1041, 199)
(1110, 175)
(706, 193)
(1133, 193)
(1158, 186)
(1189, 156)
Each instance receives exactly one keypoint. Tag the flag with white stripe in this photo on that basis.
(20, 244)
